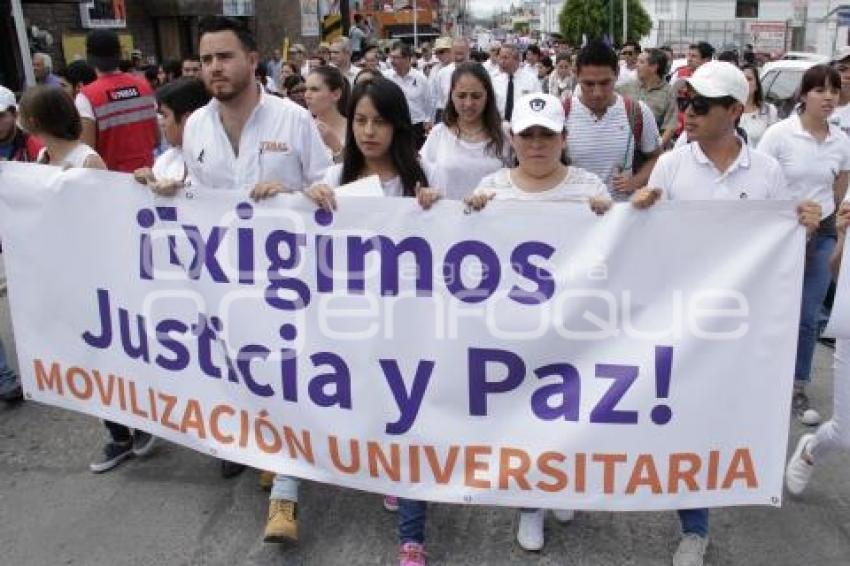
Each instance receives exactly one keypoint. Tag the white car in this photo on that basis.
(780, 82)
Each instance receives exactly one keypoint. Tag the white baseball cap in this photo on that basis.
(7, 99)
(719, 78)
(537, 109)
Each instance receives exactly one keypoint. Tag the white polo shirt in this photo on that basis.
(602, 145)
(809, 166)
(686, 173)
(280, 142)
(442, 86)
(524, 83)
(417, 91)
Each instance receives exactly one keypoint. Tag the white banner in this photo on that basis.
(530, 354)
(839, 316)
(309, 18)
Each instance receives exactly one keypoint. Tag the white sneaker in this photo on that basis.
(529, 533)
(798, 472)
(810, 417)
(563, 515)
(691, 550)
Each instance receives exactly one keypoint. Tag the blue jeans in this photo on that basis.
(285, 487)
(694, 521)
(8, 378)
(816, 278)
(411, 520)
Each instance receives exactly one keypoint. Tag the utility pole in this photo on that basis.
(687, 10)
(611, 21)
(625, 21)
(415, 26)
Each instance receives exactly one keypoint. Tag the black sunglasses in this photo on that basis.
(702, 104)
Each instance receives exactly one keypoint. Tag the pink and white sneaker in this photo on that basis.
(412, 554)
(391, 503)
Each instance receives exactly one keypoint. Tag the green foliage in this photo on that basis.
(590, 17)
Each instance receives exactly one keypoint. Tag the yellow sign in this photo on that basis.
(74, 46)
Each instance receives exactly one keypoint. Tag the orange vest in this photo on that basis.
(125, 117)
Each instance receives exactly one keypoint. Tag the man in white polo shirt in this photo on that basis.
(604, 129)
(716, 165)
(414, 84)
(247, 140)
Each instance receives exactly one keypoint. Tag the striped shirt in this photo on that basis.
(604, 146)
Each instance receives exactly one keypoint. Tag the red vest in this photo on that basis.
(125, 116)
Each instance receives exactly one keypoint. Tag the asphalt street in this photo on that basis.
(173, 509)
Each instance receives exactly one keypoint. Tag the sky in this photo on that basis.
(484, 7)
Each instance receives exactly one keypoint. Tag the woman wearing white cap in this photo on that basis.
(815, 157)
(539, 138)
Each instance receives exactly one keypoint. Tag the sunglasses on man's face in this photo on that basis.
(628, 53)
(701, 104)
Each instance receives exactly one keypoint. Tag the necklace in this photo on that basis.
(470, 135)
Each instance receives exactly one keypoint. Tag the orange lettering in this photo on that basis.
(53, 381)
(84, 394)
(559, 476)
(304, 447)
(215, 431)
(644, 473)
(518, 473)
(391, 466)
(741, 467)
(352, 468)
(688, 475)
(609, 461)
(470, 455)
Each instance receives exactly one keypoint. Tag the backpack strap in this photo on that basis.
(635, 115)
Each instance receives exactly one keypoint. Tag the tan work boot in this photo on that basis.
(266, 480)
(282, 525)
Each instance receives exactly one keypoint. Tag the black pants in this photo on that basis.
(119, 433)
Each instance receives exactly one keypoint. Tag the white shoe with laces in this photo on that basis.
(798, 472)
(529, 533)
(691, 550)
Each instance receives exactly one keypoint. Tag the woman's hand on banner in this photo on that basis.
(600, 205)
(808, 213)
(268, 189)
(322, 195)
(645, 197)
(478, 201)
(426, 197)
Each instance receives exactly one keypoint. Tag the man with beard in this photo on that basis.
(247, 140)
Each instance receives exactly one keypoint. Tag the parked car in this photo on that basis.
(780, 82)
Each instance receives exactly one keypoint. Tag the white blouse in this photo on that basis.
(455, 166)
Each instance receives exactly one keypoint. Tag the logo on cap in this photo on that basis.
(537, 104)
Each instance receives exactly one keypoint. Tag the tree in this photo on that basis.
(590, 18)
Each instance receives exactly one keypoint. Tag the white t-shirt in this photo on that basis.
(810, 166)
(686, 173)
(602, 145)
(75, 159)
(333, 179)
(626, 75)
(170, 165)
(455, 166)
(578, 185)
(279, 142)
(756, 123)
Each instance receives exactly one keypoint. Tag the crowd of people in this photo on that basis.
(446, 122)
